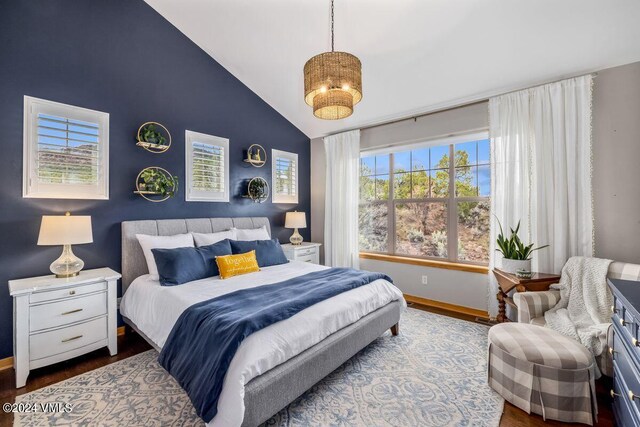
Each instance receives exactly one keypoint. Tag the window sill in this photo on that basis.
(447, 265)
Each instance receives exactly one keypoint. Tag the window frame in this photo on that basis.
(192, 195)
(451, 201)
(31, 188)
(279, 197)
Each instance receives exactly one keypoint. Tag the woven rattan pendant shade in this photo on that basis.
(333, 83)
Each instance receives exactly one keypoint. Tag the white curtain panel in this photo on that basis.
(541, 172)
(341, 246)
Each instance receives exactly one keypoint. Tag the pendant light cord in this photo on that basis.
(332, 50)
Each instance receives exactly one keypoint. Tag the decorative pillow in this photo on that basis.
(247, 234)
(148, 242)
(234, 265)
(205, 239)
(182, 265)
(268, 252)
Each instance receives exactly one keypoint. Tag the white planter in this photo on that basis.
(512, 265)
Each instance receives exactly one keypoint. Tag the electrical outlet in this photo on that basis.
(424, 280)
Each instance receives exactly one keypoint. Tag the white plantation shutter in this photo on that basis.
(284, 173)
(207, 168)
(65, 151)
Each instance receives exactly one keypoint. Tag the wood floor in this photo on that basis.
(131, 344)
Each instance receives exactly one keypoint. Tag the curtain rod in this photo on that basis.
(467, 103)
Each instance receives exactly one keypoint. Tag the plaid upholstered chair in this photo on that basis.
(531, 306)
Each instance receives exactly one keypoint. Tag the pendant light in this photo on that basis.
(333, 82)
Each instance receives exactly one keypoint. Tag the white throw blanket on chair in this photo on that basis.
(583, 311)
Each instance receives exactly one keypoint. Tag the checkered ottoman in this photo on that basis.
(541, 371)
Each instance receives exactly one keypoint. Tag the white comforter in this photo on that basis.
(155, 309)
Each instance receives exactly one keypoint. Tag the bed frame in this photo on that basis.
(272, 391)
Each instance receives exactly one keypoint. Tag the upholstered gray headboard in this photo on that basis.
(133, 262)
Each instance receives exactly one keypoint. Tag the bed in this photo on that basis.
(266, 384)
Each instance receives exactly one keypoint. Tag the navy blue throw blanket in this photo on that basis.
(206, 336)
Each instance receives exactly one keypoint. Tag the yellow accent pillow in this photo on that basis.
(235, 265)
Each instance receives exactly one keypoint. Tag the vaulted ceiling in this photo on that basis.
(417, 55)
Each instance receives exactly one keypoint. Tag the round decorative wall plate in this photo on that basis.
(154, 137)
(258, 190)
(256, 155)
(156, 184)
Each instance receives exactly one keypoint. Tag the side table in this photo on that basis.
(508, 281)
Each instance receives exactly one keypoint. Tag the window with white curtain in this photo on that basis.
(207, 168)
(428, 200)
(284, 172)
(66, 151)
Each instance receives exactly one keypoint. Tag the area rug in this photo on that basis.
(432, 374)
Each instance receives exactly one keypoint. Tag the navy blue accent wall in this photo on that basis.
(121, 57)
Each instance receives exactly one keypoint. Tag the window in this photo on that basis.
(207, 168)
(66, 151)
(428, 201)
(284, 172)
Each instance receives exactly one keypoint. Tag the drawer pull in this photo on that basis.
(612, 352)
(624, 322)
(80, 336)
(614, 309)
(72, 292)
(633, 396)
(77, 310)
(634, 342)
(613, 394)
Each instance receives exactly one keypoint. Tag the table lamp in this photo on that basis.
(295, 220)
(65, 230)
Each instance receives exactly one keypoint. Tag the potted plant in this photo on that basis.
(159, 183)
(152, 136)
(515, 255)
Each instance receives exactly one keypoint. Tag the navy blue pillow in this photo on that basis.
(268, 252)
(182, 265)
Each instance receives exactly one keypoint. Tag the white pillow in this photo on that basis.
(161, 242)
(204, 239)
(248, 234)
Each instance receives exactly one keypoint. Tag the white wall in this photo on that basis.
(455, 287)
(616, 163)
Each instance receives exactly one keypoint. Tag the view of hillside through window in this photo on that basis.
(430, 202)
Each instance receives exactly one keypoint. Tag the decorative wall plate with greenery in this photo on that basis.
(154, 137)
(258, 190)
(156, 184)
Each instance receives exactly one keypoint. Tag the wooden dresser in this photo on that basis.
(626, 351)
(57, 319)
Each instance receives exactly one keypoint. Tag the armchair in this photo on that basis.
(531, 306)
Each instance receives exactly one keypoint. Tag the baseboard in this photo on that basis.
(7, 362)
(446, 306)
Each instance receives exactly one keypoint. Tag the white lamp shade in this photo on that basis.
(65, 230)
(295, 220)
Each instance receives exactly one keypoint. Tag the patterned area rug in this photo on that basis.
(433, 374)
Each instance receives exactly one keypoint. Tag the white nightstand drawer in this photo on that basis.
(305, 251)
(67, 311)
(62, 340)
(307, 258)
(67, 292)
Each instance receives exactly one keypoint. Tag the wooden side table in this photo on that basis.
(507, 282)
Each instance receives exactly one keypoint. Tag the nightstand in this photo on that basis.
(307, 252)
(57, 319)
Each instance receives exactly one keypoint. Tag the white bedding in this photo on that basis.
(155, 309)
